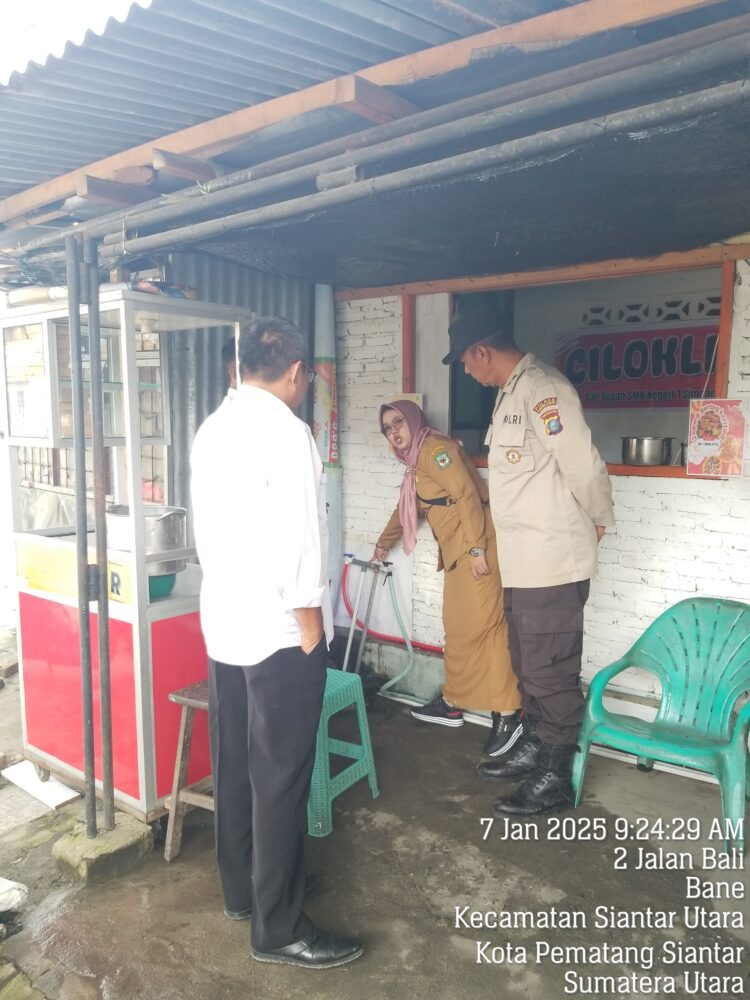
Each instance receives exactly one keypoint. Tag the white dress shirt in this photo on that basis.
(259, 516)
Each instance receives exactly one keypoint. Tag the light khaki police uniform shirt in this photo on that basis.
(549, 487)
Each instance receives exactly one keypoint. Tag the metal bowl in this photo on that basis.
(165, 529)
(646, 451)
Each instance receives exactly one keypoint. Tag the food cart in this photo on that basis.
(156, 644)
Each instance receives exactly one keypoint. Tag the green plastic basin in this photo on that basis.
(161, 586)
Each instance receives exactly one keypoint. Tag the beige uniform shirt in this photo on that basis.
(549, 487)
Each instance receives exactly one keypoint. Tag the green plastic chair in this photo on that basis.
(342, 690)
(700, 651)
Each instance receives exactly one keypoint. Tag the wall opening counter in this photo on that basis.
(638, 349)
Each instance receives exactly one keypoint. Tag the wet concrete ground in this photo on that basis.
(393, 871)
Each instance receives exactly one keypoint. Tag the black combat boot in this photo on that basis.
(516, 765)
(547, 789)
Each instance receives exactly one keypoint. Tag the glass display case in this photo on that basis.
(37, 375)
(137, 330)
(153, 582)
(28, 400)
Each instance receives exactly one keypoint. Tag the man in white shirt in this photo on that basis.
(259, 519)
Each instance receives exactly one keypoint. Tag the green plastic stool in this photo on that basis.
(342, 690)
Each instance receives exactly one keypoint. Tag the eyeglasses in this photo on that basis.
(395, 425)
(309, 372)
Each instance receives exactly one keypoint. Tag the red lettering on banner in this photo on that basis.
(639, 368)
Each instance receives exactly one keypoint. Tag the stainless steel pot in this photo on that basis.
(165, 529)
(646, 450)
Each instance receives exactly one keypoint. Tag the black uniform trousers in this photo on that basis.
(545, 636)
(263, 723)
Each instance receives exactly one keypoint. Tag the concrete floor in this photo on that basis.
(393, 871)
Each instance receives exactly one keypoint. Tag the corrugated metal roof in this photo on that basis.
(181, 62)
(39, 29)
(194, 359)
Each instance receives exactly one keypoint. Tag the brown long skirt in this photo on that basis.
(478, 674)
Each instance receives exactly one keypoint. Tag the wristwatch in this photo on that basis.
(476, 551)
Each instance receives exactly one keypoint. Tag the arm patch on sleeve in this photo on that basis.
(552, 422)
(545, 404)
(442, 458)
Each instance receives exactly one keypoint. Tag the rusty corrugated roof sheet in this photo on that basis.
(181, 62)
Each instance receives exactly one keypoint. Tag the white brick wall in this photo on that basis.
(674, 537)
(368, 344)
(368, 339)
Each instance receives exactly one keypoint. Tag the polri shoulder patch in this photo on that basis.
(544, 404)
(552, 422)
(442, 458)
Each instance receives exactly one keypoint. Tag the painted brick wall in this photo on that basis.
(674, 537)
(368, 336)
(368, 342)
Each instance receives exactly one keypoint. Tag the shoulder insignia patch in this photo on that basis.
(552, 422)
(442, 458)
(544, 404)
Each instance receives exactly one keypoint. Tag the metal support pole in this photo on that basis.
(355, 612)
(366, 624)
(550, 143)
(91, 259)
(79, 449)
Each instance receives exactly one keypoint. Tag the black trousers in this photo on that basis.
(263, 723)
(545, 636)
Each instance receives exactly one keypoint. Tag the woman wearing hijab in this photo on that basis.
(441, 482)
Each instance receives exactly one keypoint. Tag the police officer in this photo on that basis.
(551, 502)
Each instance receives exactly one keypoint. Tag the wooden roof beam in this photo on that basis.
(714, 255)
(39, 219)
(187, 167)
(108, 192)
(373, 103)
(208, 138)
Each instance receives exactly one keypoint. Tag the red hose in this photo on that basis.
(380, 635)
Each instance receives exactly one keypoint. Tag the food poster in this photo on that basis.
(716, 438)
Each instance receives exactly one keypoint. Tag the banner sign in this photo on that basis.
(325, 411)
(716, 438)
(633, 367)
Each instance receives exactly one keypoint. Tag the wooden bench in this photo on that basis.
(185, 797)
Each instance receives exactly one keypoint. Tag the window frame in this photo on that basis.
(728, 275)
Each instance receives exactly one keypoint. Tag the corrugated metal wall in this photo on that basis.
(194, 360)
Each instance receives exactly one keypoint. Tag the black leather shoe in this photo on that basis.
(506, 731)
(312, 883)
(548, 789)
(518, 764)
(316, 950)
